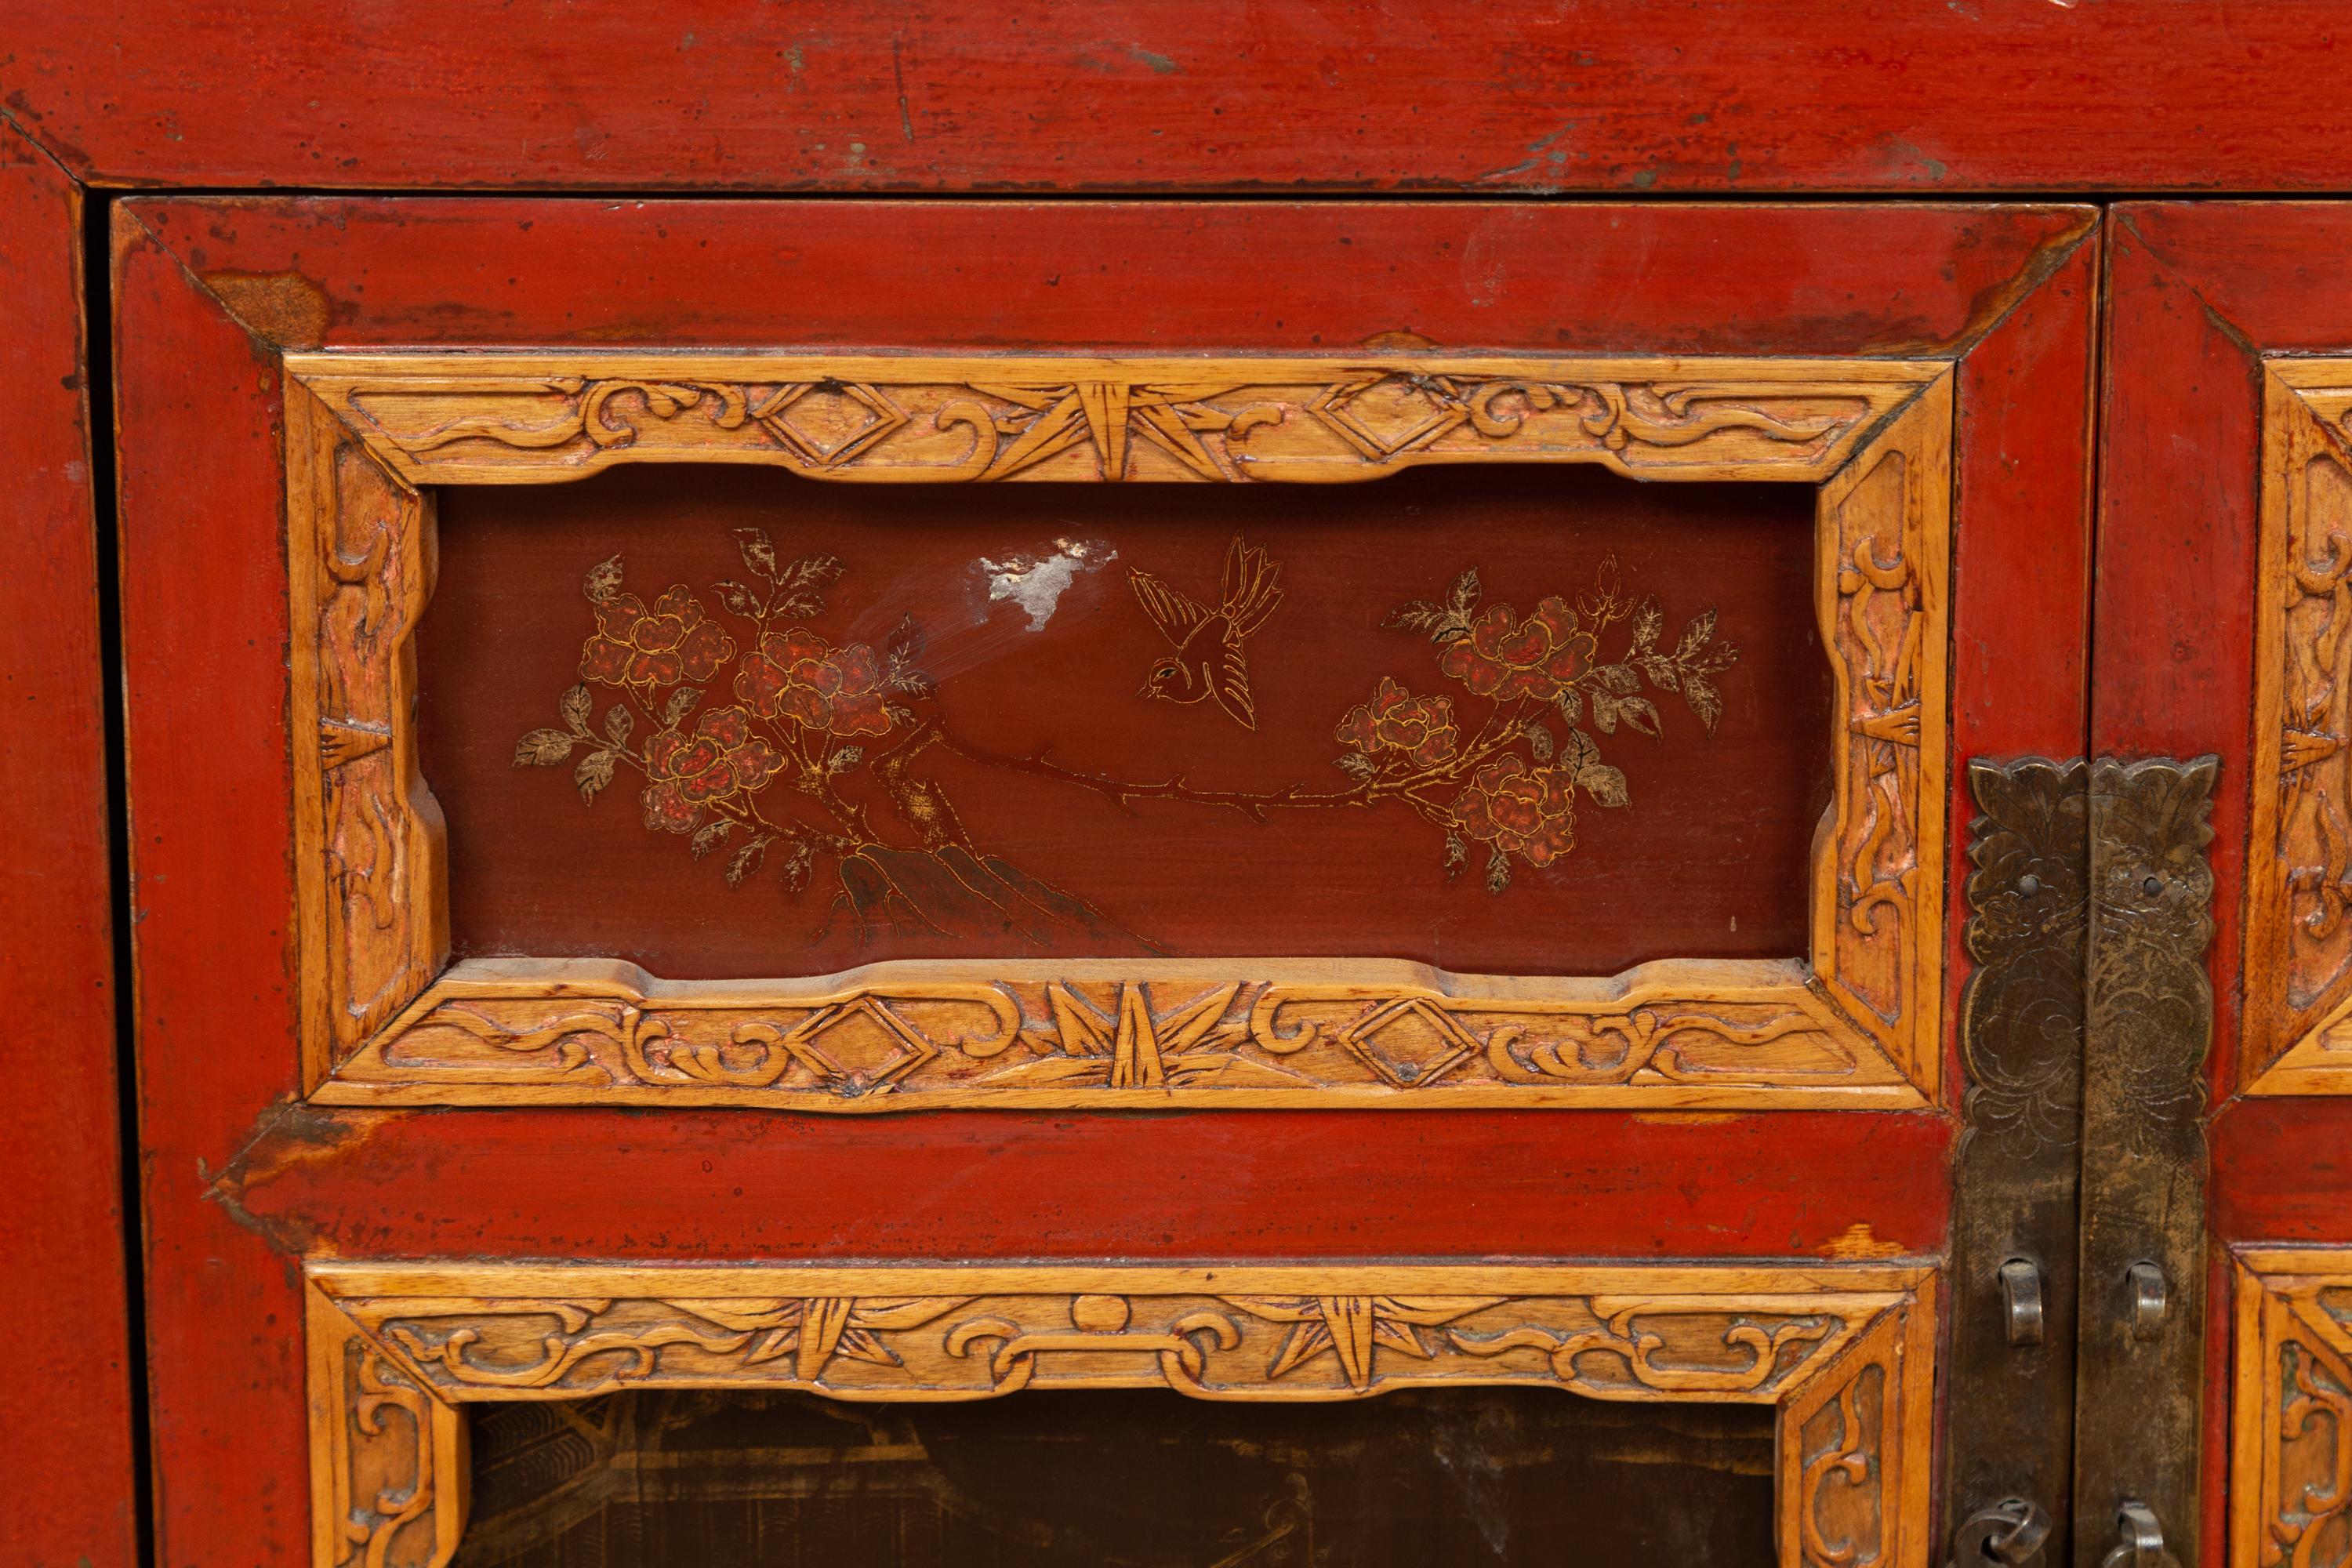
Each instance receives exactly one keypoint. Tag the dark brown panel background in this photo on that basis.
(1707, 860)
(1133, 1479)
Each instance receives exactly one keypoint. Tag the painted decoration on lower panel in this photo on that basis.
(873, 797)
(1843, 1355)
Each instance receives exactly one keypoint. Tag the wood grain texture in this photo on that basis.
(1654, 97)
(1843, 1355)
(65, 1429)
(2292, 1448)
(1852, 1024)
(2298, 959)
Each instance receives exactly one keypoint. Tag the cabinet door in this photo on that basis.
(906, 801)
(2222, 599)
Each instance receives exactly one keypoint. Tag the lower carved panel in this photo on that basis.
(388, 1461)
(2291, 1486)
(1842, 1353)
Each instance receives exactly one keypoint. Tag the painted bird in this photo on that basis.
(1208, 660)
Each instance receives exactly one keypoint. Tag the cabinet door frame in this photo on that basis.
(66, 1430)
(2226, 329)
(246, 1181)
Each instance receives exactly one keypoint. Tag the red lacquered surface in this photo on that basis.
(65, 1415)
(2199, 293)
(1710, 858)
(1637, 97)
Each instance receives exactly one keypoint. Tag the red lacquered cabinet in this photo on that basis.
(1053, 787)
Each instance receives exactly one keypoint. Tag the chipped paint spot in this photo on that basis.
(1858, 1241)
(1036, 584)
(285, 309)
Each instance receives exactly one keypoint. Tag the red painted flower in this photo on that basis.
(1519, 812)
(724, 756)
(1397, 720)
(660, 647)
(797, 675)
(1535, 658)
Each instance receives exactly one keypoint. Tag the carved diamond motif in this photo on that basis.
(1410, 1044)
(828, 423)
(864, 1048)
(1392, 415)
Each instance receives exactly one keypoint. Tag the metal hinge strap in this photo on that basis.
(2150, 1023)
(2009, 1454)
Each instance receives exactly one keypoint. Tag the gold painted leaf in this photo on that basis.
(1648, 622)
(1603, 784)
(759, 551)
(604, 581)
(1704, 700)
(594, 771)
(543, 749)
(1696, 634)
(746, 861)
(1462, 597)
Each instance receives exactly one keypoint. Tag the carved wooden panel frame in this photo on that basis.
(1843, 1354)
(1854, 1022)
(2298, 953)
(2290, 1464)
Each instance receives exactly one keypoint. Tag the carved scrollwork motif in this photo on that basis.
(2291, 1494)
(372, 831)
(2298, 952)
(2311, 586)
(1325, 1345)
(1890, 558)
(387, 1457)
(1844, 1516)
(1840, 1352)
(386, 1020)
(1070, 1038)
(1104, 419)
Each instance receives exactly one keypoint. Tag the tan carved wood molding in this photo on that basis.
(1855, 1021)
(1842, 1353)
(2290, 1464)
(2298, 956)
